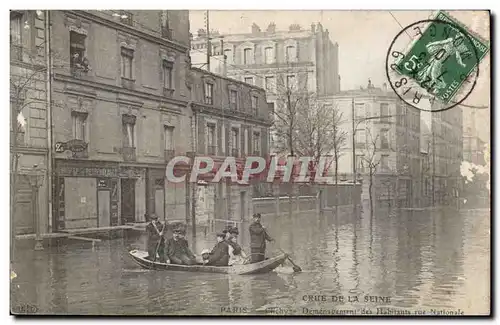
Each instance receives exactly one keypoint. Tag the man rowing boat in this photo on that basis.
(258, 238)
(156, 241)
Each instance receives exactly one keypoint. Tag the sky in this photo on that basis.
(363, 37)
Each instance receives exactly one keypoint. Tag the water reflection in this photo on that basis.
(419, 259)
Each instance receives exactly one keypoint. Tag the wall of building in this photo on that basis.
(28, 93)
(134, 177)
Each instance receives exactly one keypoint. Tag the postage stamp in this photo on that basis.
(441, 62)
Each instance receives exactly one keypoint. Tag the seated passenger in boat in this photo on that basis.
(205, 255)
(219, 256)
(177, 249)
(236, 254)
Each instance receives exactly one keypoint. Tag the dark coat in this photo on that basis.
(178, 248)
(219, 256)
(258, 236)
(154, 235)
(236, 247)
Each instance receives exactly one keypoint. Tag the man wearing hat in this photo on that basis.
(258, 238)
(219, 256)
(156, 241)
(177, 249)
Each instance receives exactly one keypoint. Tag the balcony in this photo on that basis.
(169, 154)
(128, 83)
(128, 153)
(235, 152)
(212, 150)
(256, 152)
(168, 92)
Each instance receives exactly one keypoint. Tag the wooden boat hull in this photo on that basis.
(261, 267)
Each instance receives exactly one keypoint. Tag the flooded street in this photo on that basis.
(416, 260)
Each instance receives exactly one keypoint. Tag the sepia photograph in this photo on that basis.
(322, 163)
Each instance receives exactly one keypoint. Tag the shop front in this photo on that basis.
(86, 194)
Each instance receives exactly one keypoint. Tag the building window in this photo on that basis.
(249, 80)
(126, 17)
(233, 99)
(360, 139)
(359, 110)
(16, 36)
(129, 131)
(211, 139)
(384, 139)
(209, 93)
(268, 55)
(270, 83)
(79, 126)
(290, 81)
(384, 112)
(127, 63)
(235, 137)
(360, 166)
(169, 137)
(254, 100)
(247, 56)
(167, 75)
(384, 162)
(228, 55)
(256, 143)
(77, 51)
(290, 54)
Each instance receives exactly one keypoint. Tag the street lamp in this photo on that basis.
(36, 180)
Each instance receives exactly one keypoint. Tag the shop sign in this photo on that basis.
(74, 145)
(87, 172)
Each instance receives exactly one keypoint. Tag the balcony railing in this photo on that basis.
(235, 152)
(128, 153)
(169, 154)
(211, 150)
(256, 152)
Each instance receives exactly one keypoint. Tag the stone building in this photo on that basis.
(231, 118)
(301, 59)
(473, 147)
(121, 108)
(28, 125)
(446, 154)
(380, 117)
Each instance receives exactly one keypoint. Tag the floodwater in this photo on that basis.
(431, 262)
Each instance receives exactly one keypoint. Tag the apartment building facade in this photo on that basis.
(28, 126)
(386, 136)
(231, 118)
(297, 59)
(121, 108)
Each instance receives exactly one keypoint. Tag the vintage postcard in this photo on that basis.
(250, 163)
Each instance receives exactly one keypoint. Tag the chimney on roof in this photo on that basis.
(384, 86)
(369, 84)
(313, 28)
(294, 27)
(271, 29)
(320, 27)
(255, 28)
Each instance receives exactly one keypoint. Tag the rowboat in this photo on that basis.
(261, 267)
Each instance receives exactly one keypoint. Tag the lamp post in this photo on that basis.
(36, 180)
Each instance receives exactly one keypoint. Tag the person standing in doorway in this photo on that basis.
(258, 238)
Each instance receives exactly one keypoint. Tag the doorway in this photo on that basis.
(103, 201)
(128, 199)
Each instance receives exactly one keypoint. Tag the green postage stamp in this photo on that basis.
(442, 57)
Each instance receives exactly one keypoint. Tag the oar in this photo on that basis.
(295, 267)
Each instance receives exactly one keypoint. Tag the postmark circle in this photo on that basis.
(402, 79)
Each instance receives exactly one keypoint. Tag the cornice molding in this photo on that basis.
(130, 30)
